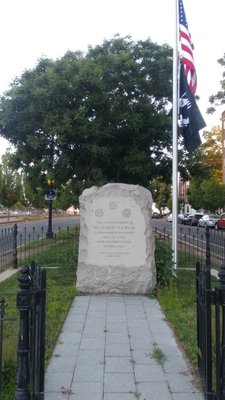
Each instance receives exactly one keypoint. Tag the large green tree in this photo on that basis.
(94, 118)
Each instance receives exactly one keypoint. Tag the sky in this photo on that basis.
(31, 29)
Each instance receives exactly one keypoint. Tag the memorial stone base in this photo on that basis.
(116, 246)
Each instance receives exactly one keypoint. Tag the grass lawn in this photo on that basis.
(178, 301)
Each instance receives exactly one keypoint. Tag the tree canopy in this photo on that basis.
(209, 194)
(206, 185)
(218, 99)
(161, 193)
(93, 118)
(206, 161)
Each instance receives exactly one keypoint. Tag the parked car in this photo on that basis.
(180, 217)
(169, 217)
(208, 220)
(155, 214)
(192, 219)
(220, 223)
(183, 220)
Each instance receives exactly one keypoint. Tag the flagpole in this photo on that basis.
(175, 144)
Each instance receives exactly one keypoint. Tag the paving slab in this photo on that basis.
(105, 351)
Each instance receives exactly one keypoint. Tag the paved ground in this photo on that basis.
(6, 274)
(118, 348)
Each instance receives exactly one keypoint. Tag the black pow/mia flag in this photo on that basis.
(191, 119)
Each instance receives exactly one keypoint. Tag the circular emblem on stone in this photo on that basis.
(112, 205)
(126, 213)
(99, 212)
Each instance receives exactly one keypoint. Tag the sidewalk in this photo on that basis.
(115, 347)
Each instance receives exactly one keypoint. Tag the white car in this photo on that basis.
(169, 217)
(208, 220)
(180, 218)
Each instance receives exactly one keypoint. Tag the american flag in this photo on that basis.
(187, 49)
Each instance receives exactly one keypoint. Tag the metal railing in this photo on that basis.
(31, 303)
(16, 247)
(3, 306)
(192, 245)
(7, 246)
(6, 299)
(210, 304)
(55, 252)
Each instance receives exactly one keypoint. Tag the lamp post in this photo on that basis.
(50, 195)
(49, 233)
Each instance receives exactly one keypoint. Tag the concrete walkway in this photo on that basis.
(7, 274)
(115, 347)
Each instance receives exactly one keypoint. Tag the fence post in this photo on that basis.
(221, 290)
(204, 322)
(15, 232)
(37, 330)
(207, 261)
(42, 334)
(23, 305)
(208, 303)
(3, 305)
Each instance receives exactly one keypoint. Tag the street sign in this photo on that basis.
(50, 194)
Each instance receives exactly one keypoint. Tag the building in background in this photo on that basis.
(182, 194)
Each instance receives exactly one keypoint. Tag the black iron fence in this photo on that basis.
(60, 250)
(30, 322)
(8, 246)
(192, 244)
(18, 245)
(3, 305)
(6, 299)
(31, 303)
(211, 328)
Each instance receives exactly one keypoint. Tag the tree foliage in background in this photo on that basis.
(204, 171)
(10, 183)
(211, 149)
(66, 197)
(94, 118)
(213, 194)
(206, 161)
(180, 204)
(161, 193)
(33, 195)
(218, 99)
(209, 194)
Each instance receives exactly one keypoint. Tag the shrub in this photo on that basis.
(164, 264)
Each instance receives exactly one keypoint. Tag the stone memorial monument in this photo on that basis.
(116, 246)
